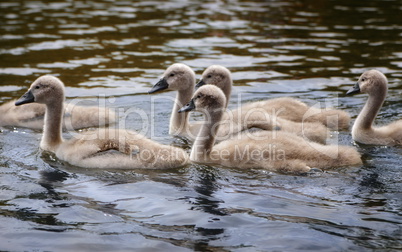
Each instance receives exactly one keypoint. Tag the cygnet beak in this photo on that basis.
(28, 97)
(190, 106)
(200, 83)
(160, 85)
(354, 90)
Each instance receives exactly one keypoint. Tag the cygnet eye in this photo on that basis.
(363, 79)
(171, 75)
(199, 96)
(209, 76)
(37, 87)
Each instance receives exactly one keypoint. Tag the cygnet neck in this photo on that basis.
(52, 127)
(370, 110)
(227, 90)
(205, 140)
(179, 121)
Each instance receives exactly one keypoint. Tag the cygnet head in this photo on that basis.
(46, 89)
(206, 98)
(216, 75)
(372, 82)
(176, 77)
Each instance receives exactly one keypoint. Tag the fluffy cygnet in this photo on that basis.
(103, 148)
(284, 107)
(271, 150)
(74, 116)
(375, 84)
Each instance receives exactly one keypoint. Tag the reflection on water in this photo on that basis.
(116, 50)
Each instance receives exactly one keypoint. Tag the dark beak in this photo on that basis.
(26, 98)
(190, 106)
(200, 83)
(354, 90)
(160, 85)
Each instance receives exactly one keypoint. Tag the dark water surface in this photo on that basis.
(114, 51)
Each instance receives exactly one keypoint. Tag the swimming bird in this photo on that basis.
(74, 116)
(284, 107)
(375, 84)
(271, 150)
(102, 148)
(181, 78)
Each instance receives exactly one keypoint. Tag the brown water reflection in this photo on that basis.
(117, 50)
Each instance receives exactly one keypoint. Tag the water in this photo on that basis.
(114, 51)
